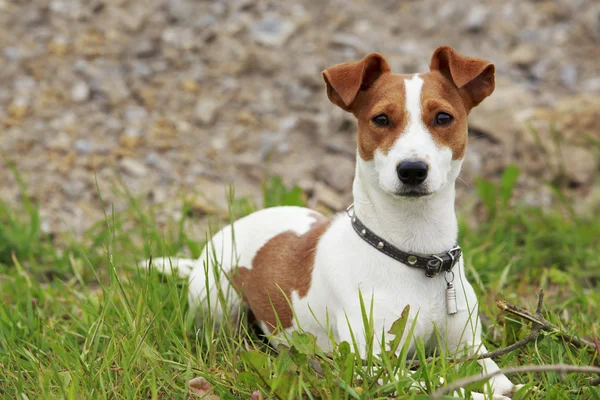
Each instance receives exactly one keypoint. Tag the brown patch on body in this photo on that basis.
(283, 265)
(438, 94)
(387, 96)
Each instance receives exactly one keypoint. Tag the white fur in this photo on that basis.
(345, 264)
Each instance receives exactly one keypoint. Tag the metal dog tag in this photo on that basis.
(451, 299)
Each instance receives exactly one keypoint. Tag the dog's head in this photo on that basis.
(412, 129)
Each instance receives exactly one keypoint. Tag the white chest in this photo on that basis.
(341, 278)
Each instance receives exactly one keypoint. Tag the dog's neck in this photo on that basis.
(422, 225)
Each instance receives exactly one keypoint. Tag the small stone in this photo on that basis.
(568, 76)
(59, 46)
(19, 108)
(80, 92)
(336, 171)
(145, 48)
(62, 142)
(180, 38)
(179, 10)
(591, 85)
(190, 86)
(539, 69)
(81, 66)
(274, 142)
(24, 84)
(155, 160)
(203, 206)
(115, 87)
(299, 97)
(476, 18)
(131, 138)
(349, 40)
(135, 114)
(12, 53)
(272, 30)
(84, 146)
(133, 167)
(135, 20)
(328, 197)
(141, 70)
(523, 56)
(74, 188)
(206, 110)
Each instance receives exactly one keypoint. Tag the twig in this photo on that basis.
(562, 368)
(545, 325)
(538, 324)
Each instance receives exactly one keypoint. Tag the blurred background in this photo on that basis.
(172, 98)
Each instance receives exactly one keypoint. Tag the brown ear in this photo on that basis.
(344, 81)
(474, 77)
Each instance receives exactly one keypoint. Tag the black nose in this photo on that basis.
(412, 172)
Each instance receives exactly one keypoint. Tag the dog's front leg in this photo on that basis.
(499, 386)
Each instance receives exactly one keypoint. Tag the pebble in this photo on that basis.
(84, 146)
(299, 96)
(179, 10)
(273, 141)
(476, 18)
(61, 142)
(336, 171)
(133, 167)
(74, 188)
(568, 76)
(81, 66)
(591, 85)
(145, 48)
(136, 19)
(12, 53)
(272, 30)
(135, 114)
(115, 87)
(180, 38)
(142, 70)
(80, 92)
(539, 69)
(206, 110)
(350, 40)
(24, 84)
(524, 55)
(328, 197)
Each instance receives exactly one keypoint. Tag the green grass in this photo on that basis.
(77, 320)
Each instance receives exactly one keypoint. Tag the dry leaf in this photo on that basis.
(257, 395)
(201, 388)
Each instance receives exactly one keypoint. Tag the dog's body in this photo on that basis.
(293, 268)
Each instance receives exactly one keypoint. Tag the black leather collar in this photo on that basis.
(432, 264)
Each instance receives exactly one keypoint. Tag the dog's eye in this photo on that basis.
(381, 120)
(443, 119)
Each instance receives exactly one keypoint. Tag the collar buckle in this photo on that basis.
(454, 255)
(434, 266)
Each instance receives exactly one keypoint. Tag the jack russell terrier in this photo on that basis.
(293, 268)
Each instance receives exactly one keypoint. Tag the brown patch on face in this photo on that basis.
(440, 95)
(284, 264)
(387, 96)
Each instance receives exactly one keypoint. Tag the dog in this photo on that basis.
(293, 268)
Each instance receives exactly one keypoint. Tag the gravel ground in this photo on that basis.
(170, 97)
